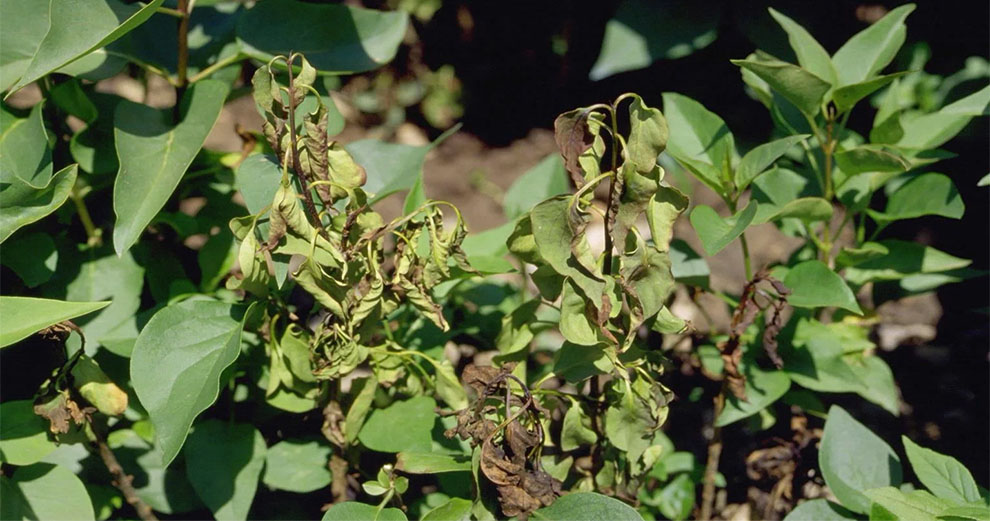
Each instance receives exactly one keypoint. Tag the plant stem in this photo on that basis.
(94, 235)
(296, 165)
(230, 60)
(183, 56)
(612, 197)
(120, 478)
(745, 254)
(714, 454)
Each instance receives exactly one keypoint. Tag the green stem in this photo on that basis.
(745, 254)
(94, 235)
(230, 60)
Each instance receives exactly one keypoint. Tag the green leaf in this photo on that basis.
(404, 425)
(558, 244)
(432, 462)
(155, 42)
(687, 266)
(820, 510)
(166, 490)
(449, 388)
(814, 285)
(24, 316)
(825, 358)
(21, 204)
(903, 258)
(587, 506)
(455, 509)
(846, 97)
(415, 198)
(547, 179)
(23, 23)
(934, 129)
(984, 181)
(390, 167)
(943, 475)
(864, 252)
(118, 279)
(177, 362)
(979, 511)
(797, 85)
(715, 232)
(853, 459)
(74, 31)
(763, 388)
(916, 505)
(576, 430)
(870, 158)
(44, 491)
(887, 121)
(648, 135)
(576, 363)
(23, 434)
(574, 323)
(927, 194)
(24, 149)
(869, 51)
(354, 511)
(347, 39)
(677, 498)
(223, 462)
(810, 54)
(297, 466)
(633, 39)
(257, 179)
(780, 187)
(699, 139)
(756, 161)
(154, 155)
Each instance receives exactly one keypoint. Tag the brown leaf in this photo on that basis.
(573, 137)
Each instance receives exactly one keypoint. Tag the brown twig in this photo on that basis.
(182, 64)
(121, 479)
(296, 165)
(714, 454)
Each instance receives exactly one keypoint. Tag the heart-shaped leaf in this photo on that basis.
(547, 179)
(699, 139)
(588, 506)
(154, 155)
(177, 362)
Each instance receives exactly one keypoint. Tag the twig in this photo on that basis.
(714, 454)
(182, 62)
(121, 479)
(296, 165)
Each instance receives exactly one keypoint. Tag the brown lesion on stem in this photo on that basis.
(121, 479)
(294, 144)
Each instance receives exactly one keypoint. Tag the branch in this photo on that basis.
(121, 479)
(296, 165)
